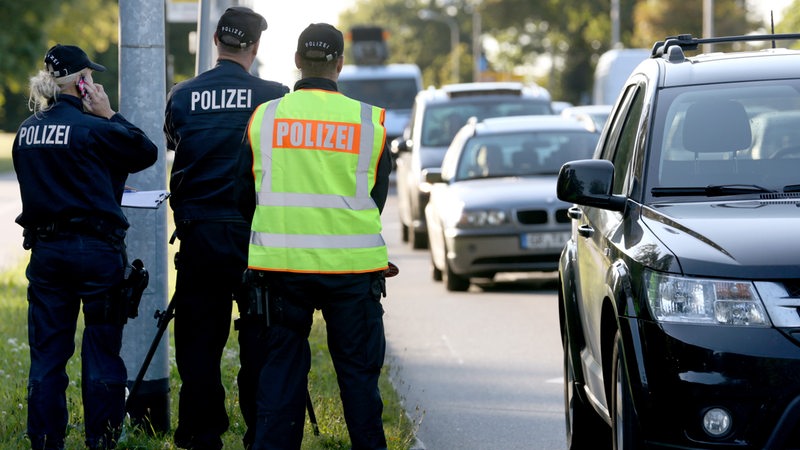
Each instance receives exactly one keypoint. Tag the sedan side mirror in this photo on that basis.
(400, 145)
(432, 175)
(589, 182)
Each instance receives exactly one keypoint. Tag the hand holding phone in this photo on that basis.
(82, 86)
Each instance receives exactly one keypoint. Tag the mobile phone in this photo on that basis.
(82, 86)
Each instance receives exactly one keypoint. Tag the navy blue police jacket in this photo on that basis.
(205, 124)
(73, 165)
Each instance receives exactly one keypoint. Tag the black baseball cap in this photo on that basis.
(320, 42)
(240, 27)
(63, 60)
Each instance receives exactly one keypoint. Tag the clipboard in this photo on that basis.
(143, 199)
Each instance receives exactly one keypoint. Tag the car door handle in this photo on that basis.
(585, 231)
(574, 213)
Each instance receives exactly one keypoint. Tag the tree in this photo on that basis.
(565, 37)
(411, 39)
(657, 20)
(30, 27)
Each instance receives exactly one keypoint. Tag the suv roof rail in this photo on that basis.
(687, 42)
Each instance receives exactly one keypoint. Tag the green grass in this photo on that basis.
(322, 379)
(322, 385)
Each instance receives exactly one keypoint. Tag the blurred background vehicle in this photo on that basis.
(613, 68)
(591, 115)
(390, 86)
(493, 205)
(436, 117)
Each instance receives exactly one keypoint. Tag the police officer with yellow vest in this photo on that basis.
(212, 202)
(322, 177)
(72, 157)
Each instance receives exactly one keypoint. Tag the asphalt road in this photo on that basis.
(11, 252)
(476, 370)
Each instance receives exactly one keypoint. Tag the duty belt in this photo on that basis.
(81, 225)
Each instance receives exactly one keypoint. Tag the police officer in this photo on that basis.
(72, 157)
(322, 176)
(212, 199)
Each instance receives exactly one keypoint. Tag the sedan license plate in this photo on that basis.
(551, 240)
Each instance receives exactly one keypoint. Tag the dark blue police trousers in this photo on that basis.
(63, 270)
(353, 314)
(210, 264)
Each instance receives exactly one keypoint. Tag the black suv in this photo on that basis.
(436, 116)
(680, 286)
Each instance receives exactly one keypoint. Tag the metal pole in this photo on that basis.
(426, 14)
(453, 47)
(477, 45)
(142, 100)
(708, 22)
(615, 38)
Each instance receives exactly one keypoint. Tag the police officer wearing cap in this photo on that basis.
(72, 157)
(212, 199)
(322, 175)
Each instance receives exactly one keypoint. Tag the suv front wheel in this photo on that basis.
(623, 415)
(585, 429)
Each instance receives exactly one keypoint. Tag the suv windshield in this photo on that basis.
(729, 139)
(441, 122)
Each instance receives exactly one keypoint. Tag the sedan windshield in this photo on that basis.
(442, 122)
(523, 154)
(732, 139)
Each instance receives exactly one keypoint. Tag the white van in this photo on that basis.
(392, 87)
(612, 71)
(370, 80)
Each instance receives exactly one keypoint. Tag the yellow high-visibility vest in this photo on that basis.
(315, 159)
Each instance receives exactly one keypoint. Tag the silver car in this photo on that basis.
(493, 205)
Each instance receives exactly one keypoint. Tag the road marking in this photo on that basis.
(450, 348)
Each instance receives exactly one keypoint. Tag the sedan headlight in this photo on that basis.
(482, 218)
(674, 298)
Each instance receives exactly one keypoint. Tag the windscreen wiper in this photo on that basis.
(711, 191)
(792, 188)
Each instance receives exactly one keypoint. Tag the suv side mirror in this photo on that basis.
(588, 182)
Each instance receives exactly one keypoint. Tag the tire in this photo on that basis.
(585, 429)
(418, 239)
(404, 232)
(625, 424)
(436, 274)
(453, 282)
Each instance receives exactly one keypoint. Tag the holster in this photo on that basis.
(133, 285)
(122, 302)
(254, 300)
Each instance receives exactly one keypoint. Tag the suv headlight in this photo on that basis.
(680, 299)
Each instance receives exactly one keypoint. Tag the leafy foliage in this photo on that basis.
(553, 42)
(30, 27)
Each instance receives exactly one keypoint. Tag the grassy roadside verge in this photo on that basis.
(322, 380)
